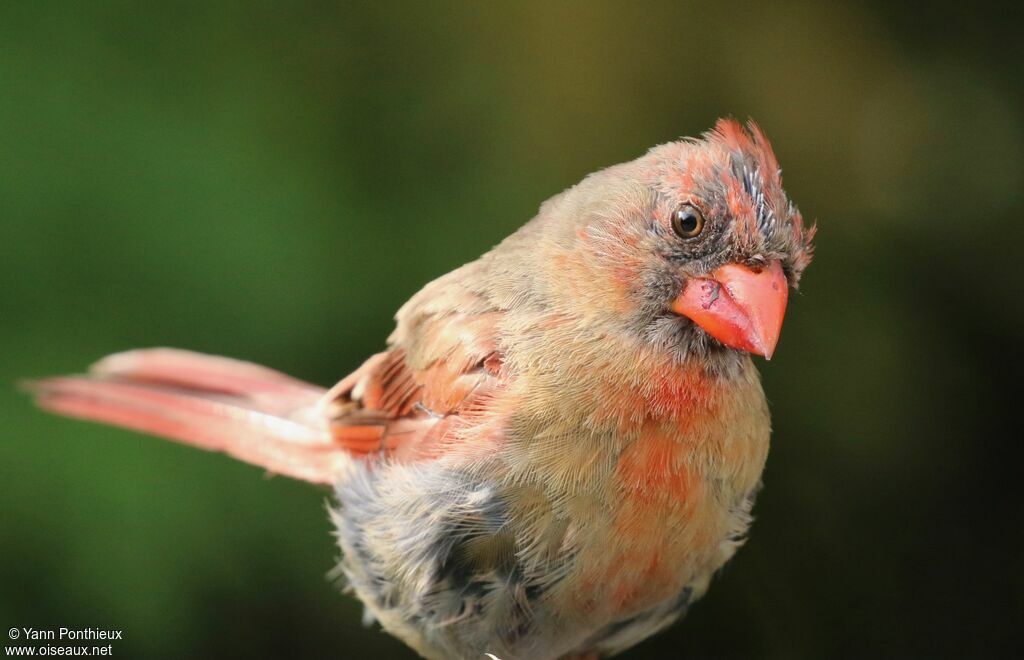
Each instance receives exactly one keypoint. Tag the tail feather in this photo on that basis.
(250, 412)
(212, 373)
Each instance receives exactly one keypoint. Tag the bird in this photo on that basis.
(561, 442)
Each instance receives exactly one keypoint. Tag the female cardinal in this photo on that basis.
(562, 442)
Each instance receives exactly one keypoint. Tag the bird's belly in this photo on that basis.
(674, 520)
(650, 552)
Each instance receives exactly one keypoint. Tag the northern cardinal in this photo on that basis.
(563, 439)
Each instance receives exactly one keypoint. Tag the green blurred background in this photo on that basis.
(272, 181)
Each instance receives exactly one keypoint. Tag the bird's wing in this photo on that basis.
(442, 363)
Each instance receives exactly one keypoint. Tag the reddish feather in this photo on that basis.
(252, 413)
(388, 406)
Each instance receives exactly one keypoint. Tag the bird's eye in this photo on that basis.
(688, 221)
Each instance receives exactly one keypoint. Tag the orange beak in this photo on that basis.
(738, 306)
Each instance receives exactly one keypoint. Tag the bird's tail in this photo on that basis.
(255, 414)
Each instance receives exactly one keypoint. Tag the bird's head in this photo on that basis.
(694, 245)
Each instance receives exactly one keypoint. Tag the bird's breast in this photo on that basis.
(672, 499)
